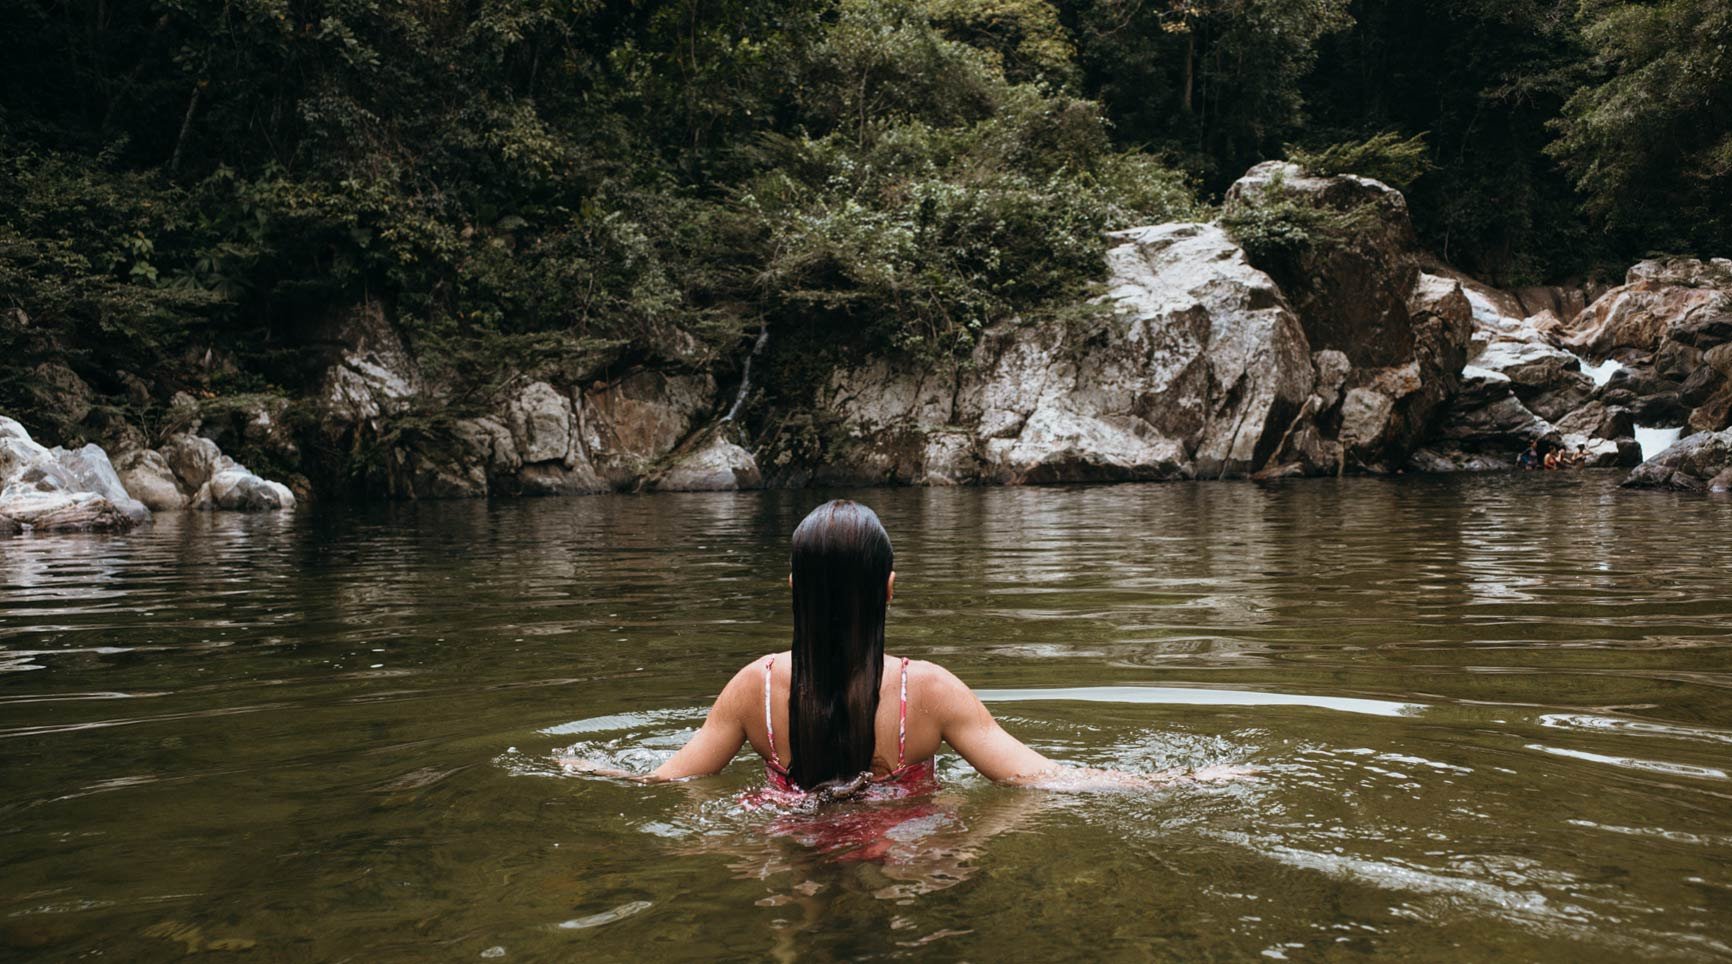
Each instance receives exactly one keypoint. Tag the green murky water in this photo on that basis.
(1492, 718)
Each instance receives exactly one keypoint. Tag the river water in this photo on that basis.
(1490, 717)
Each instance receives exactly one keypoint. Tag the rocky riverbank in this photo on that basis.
(60, 490)
(1207, 356)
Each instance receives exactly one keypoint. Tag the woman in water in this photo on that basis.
(837, 717)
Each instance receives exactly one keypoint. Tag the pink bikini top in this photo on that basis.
(905, 781)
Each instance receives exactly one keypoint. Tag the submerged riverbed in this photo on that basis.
(1492, 718)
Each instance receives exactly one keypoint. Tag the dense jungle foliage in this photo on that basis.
(569, 184)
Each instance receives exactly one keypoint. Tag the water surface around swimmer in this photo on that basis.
(1492, 718)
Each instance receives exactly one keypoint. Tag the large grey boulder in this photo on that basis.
(1682, 299)
(192, 458)
(147, 476)
(1696, 463)
(1212, 357)
(87, 469)
(1350, 296)
(1596, 419)
(718, 465)
(18, 451)
(1533, 364)
(1503, 425)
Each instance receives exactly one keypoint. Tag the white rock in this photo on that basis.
(234, 488)
(18, 451)
(88, 470)
(53, 490)
(61, 511)
(717, 466)
(541, 423)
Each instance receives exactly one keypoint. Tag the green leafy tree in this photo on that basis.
(1216, 82)
(1648, 141)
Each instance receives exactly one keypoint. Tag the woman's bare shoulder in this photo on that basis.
(931, 683)
(780, 662)
(748, 680)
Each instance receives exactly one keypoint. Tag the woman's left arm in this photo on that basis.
(721, 736)
(706, 752)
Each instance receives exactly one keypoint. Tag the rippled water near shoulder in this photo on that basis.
(1491, 718)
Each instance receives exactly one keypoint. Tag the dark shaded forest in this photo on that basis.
(188, 186)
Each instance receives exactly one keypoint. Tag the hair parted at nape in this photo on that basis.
(840, 562)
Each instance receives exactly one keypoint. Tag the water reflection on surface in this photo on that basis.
(1491, 718)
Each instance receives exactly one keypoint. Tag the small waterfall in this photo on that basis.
(1656, 440)
(746, 373)
(1601, 373)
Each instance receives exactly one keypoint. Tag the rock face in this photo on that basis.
(56, 490)
(1196, 367)
(1356, 352)
(1351, 297)
(537, 438)
(1521, 388)
(1662, 342)
(370, 376)
(1699, 463)
(633, 421)
(1403, 331)
(1668, 329)
(1202, 367)
(1680, 299)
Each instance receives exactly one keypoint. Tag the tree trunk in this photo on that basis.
(185, 126)
(1190, 66)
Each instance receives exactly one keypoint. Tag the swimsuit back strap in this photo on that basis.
(902, 720)
(769, 723)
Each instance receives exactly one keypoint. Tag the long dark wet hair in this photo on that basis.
(841, 563)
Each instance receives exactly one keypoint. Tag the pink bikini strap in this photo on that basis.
(769, 725)
(902, 720)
